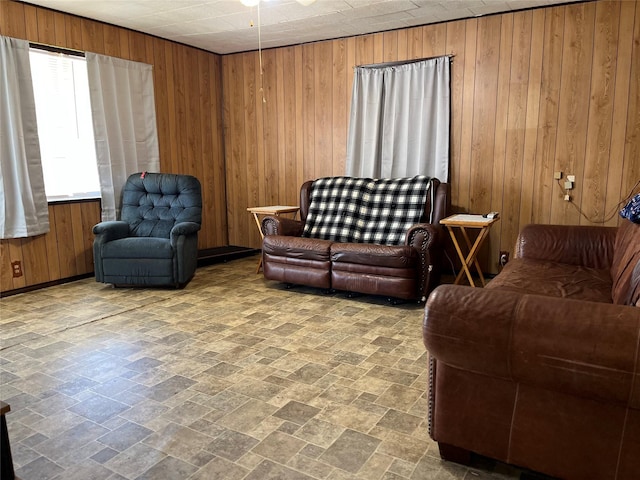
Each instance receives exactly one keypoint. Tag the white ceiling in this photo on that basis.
(224, 26)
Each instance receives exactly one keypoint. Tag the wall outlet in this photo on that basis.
(16, 267)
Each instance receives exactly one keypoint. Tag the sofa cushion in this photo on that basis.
(625, 268)
(389, 256)
(297, 260)
(297, 247)
(554, 279)
(350, 209)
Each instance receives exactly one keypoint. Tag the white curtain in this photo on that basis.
(124, 123)
(399, 122)
(24, 211)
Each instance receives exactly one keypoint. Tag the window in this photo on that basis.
(65, 128)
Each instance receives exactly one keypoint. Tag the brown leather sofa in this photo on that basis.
(541, 369)
(409, 271)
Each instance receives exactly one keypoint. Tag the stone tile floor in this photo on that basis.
(233, 377)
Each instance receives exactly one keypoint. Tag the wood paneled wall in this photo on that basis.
(188, 92)
(533, 92)
(65, 252)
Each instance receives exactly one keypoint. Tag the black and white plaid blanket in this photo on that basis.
(335, 208)
(365, 210)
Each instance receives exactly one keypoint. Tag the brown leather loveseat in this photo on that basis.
(371, 236)
(541, 368)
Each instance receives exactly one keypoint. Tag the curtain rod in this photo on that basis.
(54, 49)
(404, 62)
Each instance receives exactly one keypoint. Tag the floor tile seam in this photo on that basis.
(286, 465)
(78, 325)
(169, 454)
(43, 455)
(392, 456)
(368, 458)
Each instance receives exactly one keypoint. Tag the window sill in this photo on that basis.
(67, 200)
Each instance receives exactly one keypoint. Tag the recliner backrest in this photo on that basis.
(152, 203)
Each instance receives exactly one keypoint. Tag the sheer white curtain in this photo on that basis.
(24, 211)
(399, 122)
(124, 123)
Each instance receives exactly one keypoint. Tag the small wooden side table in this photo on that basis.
(463, 222)
(270, 210)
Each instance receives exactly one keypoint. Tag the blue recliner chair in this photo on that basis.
(155, 242)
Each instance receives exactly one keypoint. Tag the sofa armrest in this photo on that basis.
(113, 230)
(427, 239)
(589, 246)
(577, 347)
(424, 236)
(276, 225)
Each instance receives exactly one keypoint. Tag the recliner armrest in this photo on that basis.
(589, 246)
(183, 228)
(276, 225)
(577, 347)
(112, 230)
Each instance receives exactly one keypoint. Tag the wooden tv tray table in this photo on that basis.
(270, 210)
(463, 222)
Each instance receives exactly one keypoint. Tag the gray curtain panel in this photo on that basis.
(399, 121)
(24, 211)
(124, 124)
